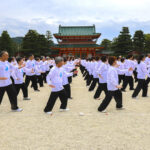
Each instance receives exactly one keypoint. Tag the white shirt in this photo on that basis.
(18, 74)
(112, 79)
(5, 72)
(55, 77)
(129, 64)
(142, 70)
(30, 64)
(103, 72)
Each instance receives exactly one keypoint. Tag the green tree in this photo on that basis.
(138, 41)
(6, 42)
(42, 45)
(124, 41)
(30, 42)
(147, 43)
(106, 44)
(114, 45)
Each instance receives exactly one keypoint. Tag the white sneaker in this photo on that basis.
(104, 111)
(49, 113)
(122, 108)
(17, 110)
(134, 98)
(64, 110)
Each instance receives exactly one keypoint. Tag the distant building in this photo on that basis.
(79, 41)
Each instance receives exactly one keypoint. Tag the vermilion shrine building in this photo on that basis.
(77, 41)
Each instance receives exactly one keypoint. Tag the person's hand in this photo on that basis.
(117, 66)
(130, 69)
(3, 78)
(100, 76)
(75, 72)
(52, 86)
(17, 79)
(119, 86)
(32, 71)
(23, 65)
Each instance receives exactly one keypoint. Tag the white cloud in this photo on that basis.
(17, 16)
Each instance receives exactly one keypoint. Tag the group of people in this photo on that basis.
(113, 75)
(110, 73)
(17, 73)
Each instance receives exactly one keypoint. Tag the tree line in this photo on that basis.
(40, 44)
(125, 43)
(32, 42)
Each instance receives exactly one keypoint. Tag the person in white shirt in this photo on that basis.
(31, 76)
(18, 78)
(67, 74)
(121, 66)
(102, 73)
(43, 64)
(142, 72)
(95, 75)
(6, 83)
(91, 67)
(128, 75)
(55, 81)
(112, 86)
(38, 72)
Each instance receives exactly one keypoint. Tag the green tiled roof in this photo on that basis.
(75, 45)
(76, 30)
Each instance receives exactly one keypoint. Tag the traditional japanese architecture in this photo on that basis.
(77, 41)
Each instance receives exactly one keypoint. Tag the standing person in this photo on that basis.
(95, 75)
(102, 72)
(67, 74)
(6, 84)
(128, 75)
(55, 81)
(142, 72)
(18, 78)
(121, 67)
(113, 87)
(31, 76)
(38, 72)
(43, 68)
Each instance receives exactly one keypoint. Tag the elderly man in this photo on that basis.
(55, 81)
(6, 83)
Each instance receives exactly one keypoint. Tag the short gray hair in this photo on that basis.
(58, 59)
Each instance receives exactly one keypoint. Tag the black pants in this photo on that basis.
(135, 75)
(70, 80)
(110, 94)
(128, 80)
(33, 80)
(93, 84)
(11, 92)
(85, 73)
(12, 80)
(44, 76)
(39, 80)
(67, 90)
(142, 85)
(147, 80)
(101, 87)
(52, 99)
(24, 89)
(86, 76)
(90, 78)
(121, 78)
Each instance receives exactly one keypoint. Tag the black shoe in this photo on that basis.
(123, 90)
(70, 98)
(132, 89)
(37, 90)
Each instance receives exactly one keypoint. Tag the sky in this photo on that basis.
(109, 16)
